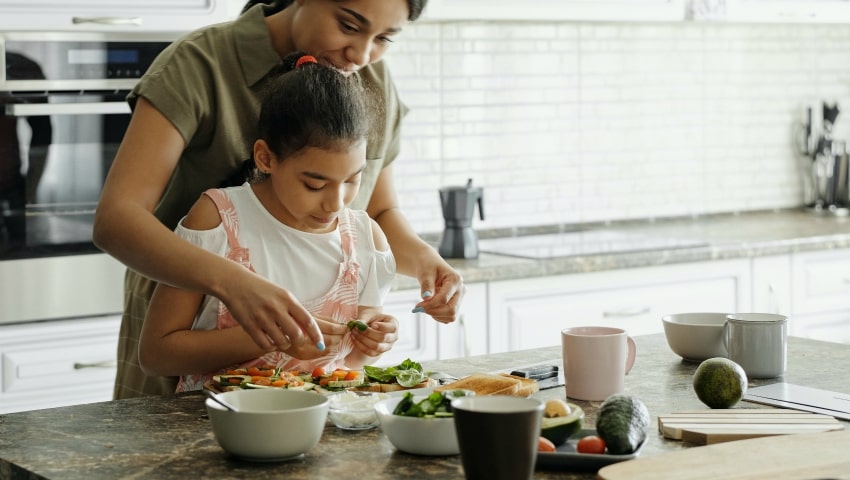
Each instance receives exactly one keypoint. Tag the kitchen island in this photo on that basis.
(171, 437)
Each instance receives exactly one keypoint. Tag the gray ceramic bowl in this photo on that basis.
(695, 336)
(271, 424)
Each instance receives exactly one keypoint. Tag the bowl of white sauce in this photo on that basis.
(354, 410)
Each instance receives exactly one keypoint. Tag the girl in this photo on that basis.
(191, 113)
(293, 226)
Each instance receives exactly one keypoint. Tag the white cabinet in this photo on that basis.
(530, 313)
(788, 11)
(57, 363)
(821, 295)
(556, 10)
(111, 15)
(772, 284)
(421, 338)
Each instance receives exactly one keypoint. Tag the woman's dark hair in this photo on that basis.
(309, 105)
(416, 6)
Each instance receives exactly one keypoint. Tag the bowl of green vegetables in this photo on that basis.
(420, 424)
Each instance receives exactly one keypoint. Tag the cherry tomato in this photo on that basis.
(545, 445)
(591, 444)
(317, 372)
(351, 375)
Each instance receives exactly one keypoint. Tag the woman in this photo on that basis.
(194, 113)
(304, 172)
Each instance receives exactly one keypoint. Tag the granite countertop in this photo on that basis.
(170, 437)
(706, 238)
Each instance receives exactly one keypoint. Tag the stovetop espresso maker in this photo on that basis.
(459, 239)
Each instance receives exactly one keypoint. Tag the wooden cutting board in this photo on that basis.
(784, 457)
(706, 427)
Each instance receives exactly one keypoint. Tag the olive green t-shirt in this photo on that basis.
(210, 85)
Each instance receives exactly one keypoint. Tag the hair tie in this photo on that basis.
(305, 59)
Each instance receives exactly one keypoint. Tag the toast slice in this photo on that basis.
(486, 384)
(528, 386)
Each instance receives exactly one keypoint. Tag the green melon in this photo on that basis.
(622, 422)
(720, 382)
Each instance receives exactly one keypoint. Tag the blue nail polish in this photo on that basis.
(426, 294)
(320, 346)
(418, 310)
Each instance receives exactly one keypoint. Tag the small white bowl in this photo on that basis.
(419, 436)
(695, 336)
(270, 424)
(354, 410)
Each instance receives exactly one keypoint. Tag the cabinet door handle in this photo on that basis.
(91, 108)
(101, 364)
(627, 312)
(107, 20)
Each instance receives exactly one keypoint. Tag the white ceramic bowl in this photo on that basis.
(695, 336)
(271, 424)
(419, 436)
(354, 410)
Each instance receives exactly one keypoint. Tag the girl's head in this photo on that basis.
(311, 105)
(311, 146)
(345, 34)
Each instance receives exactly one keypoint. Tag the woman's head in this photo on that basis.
(311, 146)
(415, 6)
(345, 34)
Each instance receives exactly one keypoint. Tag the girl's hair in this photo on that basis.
(416, 6)
(309, 105)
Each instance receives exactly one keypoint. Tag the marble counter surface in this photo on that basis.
(170, 437)
(715, 237)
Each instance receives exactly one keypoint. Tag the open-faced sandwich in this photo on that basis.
(405, 376)
(269, 376)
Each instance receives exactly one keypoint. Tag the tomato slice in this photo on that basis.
(352, 375)
(318, 372)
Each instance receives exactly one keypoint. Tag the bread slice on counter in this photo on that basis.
(492, 384)
(528, 386)
(393, 387)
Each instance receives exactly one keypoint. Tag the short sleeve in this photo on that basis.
(213, 240)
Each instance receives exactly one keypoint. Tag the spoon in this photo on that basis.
(217, 399)
(441, 377)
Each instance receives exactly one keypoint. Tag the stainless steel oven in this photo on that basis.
(63, 114)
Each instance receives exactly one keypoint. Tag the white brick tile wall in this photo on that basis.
(570, 122)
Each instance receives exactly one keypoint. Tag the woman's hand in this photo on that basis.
(333, 333)
(442, 289)
(271, 315)
(378, 338)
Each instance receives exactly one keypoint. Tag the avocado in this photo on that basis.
(558, 429)
(720, 382)
(622, 422)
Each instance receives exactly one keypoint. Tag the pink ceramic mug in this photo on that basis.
(596, 361)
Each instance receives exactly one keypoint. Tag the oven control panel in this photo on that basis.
(46, 62)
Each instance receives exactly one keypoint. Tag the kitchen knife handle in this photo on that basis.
(537, 372)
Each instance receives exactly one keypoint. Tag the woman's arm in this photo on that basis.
(126, 228)
(414, 257)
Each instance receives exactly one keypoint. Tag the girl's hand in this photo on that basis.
(442, 289)
(378, 338)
